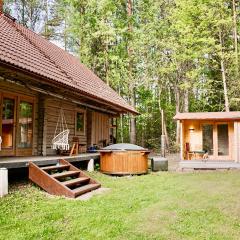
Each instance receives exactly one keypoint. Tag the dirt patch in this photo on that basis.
(89, 195)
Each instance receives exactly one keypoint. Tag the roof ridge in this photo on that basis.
(42, 51)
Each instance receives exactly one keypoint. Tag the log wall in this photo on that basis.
(52, 110)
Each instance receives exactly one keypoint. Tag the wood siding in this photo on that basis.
(52, 110)
(237, 141)
(124, 162)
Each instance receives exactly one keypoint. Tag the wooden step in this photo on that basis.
(65, 174)
(87, 188)
(55, 184)
(55, 167)
(75, 181)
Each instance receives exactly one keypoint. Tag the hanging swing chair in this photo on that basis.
(60, 140)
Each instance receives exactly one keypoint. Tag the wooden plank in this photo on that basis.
(23, 162)
(75, 181)
(181, 140)
(45, 131)
(55, 167)
(237, 141)
(65, 174)
(85, 189)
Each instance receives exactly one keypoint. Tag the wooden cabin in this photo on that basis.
(38, 80)
(210, 136)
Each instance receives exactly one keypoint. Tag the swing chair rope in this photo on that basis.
(55, 133)
(60, 140)
(61, 123)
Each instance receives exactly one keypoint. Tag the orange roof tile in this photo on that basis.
(31, 52)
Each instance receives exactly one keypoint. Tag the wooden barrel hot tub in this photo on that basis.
(124, 159)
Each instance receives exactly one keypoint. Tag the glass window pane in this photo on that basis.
(223, 144)
(7, 122)
(207, 138)
(80, 122)
(25, 125)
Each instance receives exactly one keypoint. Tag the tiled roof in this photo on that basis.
(207, 116)
(31, 52)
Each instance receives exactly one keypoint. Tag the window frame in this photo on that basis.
(82, 111)
(27, 150)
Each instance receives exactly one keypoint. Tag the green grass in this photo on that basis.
(185, 206)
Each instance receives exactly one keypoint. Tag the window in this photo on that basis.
(8, 122)
(25, 124)
(80, 122)
(207, 138)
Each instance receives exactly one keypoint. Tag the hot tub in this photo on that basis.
(123, 159)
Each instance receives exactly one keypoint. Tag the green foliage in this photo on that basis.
(168, 53)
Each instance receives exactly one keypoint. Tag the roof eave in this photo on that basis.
(91, 96)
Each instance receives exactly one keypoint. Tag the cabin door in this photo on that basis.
(16, 125)
(8, 124)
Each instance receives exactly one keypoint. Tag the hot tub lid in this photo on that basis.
(124, 147)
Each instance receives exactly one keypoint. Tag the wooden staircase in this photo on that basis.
(62, 179)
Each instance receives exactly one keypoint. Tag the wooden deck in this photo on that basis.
(21, 162)
(201, 164)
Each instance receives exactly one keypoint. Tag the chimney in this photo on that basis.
(1, 5)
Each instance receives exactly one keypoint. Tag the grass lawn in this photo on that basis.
(197, 205)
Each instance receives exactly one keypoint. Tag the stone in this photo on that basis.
(3, 182)
(90, 167)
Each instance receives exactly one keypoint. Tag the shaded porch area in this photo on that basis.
(210, 137)
(22, 162)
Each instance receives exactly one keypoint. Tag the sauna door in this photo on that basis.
(7, 124)
(216, 140)
(222, 148)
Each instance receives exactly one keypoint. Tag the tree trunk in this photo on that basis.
(186, 101)
(121, 117)
(132, 88)
(121, 127)
(1, 5)
(106, 63)
(164, 127)
(177, 96)
(235, 34)
(133, 123)
(225, 90)
(166, 133)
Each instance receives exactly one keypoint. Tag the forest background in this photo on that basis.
(170, 55)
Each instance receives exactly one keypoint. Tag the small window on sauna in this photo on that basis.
(25, 123)
(80, 122)
(207, 138)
